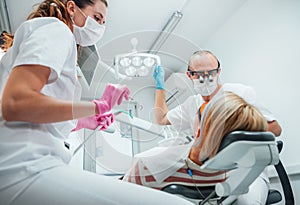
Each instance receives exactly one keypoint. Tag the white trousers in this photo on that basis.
(257, 194)
(67, 186)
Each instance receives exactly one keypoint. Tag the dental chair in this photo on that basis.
(245, 155)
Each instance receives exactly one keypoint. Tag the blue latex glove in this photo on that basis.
(159, 76)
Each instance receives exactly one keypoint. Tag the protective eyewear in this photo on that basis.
(203, 74)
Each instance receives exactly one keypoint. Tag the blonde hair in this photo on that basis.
(227, 113)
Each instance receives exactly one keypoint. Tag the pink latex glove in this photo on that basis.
(105, 120)
(113, 93)
(94, 121)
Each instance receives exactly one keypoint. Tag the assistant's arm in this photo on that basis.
(22, 99)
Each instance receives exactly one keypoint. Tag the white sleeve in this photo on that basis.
(251, 97)
(182, 116)
(48, 45)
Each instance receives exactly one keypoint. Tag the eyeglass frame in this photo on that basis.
(204, 74)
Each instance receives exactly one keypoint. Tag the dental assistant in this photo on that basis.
(204, 71)
(39, 101)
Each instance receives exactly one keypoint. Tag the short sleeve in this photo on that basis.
(251, 97)
(249, 94)
(48, 45)
(182, 117)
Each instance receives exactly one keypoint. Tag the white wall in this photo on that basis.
(18, 11)
(260, 46)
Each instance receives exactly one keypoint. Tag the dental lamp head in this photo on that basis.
(135, 64)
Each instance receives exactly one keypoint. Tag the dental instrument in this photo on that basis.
(108, 130)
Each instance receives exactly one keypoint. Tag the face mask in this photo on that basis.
(206, 88)
(90, 33)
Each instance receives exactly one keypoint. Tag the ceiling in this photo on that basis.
(144, 19)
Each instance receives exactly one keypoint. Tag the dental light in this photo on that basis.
(135, 64)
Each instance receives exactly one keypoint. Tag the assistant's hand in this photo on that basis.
(159, 76)
(104, 121)
(113, 93)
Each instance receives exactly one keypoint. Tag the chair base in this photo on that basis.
(190, 191)
(201, 193)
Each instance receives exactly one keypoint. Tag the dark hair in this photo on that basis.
(83, 3)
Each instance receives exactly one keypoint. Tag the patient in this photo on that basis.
(171, 163)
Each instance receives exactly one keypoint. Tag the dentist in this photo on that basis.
(39, 100)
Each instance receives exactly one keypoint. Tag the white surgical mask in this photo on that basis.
(205, 88)
(90, 33)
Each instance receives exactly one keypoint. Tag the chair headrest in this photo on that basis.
(245, 136)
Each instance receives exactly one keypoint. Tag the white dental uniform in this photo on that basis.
(181, 117)
(28, 148)
(33, 157)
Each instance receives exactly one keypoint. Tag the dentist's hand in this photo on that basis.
(113, 93)
(104, 121)
(159, 76)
